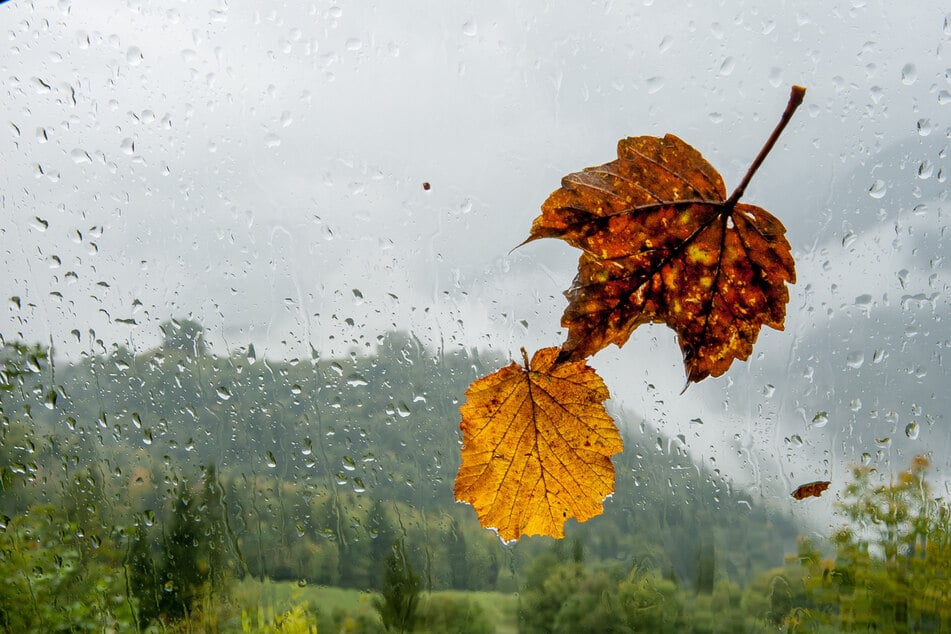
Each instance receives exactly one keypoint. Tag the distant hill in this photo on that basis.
(320, 458)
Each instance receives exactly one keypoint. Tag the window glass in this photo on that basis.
(254, 254)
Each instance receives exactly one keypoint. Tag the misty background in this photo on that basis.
(260, 169)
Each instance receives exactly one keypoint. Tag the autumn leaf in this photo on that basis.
(662, 242)
(813, 489)
(537, 446)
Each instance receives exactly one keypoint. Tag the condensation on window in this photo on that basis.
(253, 256)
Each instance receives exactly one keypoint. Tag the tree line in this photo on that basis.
(138, 488)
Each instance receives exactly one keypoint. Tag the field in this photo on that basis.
(263, 601)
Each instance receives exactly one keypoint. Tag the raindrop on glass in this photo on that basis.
(357, 380)
(855, 360)
(909, 74)
(726, 68)
(912, 430)
(134, 56)
(654, 84)
(878, 189)
(820, 420)
(775, 77)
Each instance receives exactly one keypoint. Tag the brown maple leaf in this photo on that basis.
(813, 489)
(537, 446)
(663, 243)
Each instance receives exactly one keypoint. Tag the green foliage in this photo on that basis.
(195, 549)
(890, 563)
(566, 596)
(184, 335)
(49, 582)
(399, 596)
(452, 613)
(318, 466)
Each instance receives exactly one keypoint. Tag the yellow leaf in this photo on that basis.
(537, 446)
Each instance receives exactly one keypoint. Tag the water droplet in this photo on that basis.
(855, 360)
(134, 56)
(697, 421)
(402, 410)
(769, 390)
(50, 401)
(354, 44)
(470, 28)
(924, 127)
(252, 355)
(80, 156)
(337, 368)
(855, 404)
(349, 464)
(272, 140)
(775, 77)
(726, 68)
(270, 461)
(223, 393)
(883, 443)
(925, 170)
(912, 430)
(909, 74)
(146, 436)
(357, 380)
(944, 97)
(820, 420)
(654, 84)
(41, 86)
(878, 189)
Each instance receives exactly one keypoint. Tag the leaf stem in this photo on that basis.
(795, 99)
(525, 359)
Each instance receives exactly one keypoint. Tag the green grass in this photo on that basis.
(502, 608)
(272, 598)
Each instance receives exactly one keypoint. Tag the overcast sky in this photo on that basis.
(259, 167)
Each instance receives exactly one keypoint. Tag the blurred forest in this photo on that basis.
(145, 491)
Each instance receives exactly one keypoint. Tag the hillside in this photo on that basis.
(321, 463)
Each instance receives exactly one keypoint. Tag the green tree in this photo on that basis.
(399, 596)
(47, 583)
(184, 568)
(144, 582)
(890, 564)
(184, 335)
